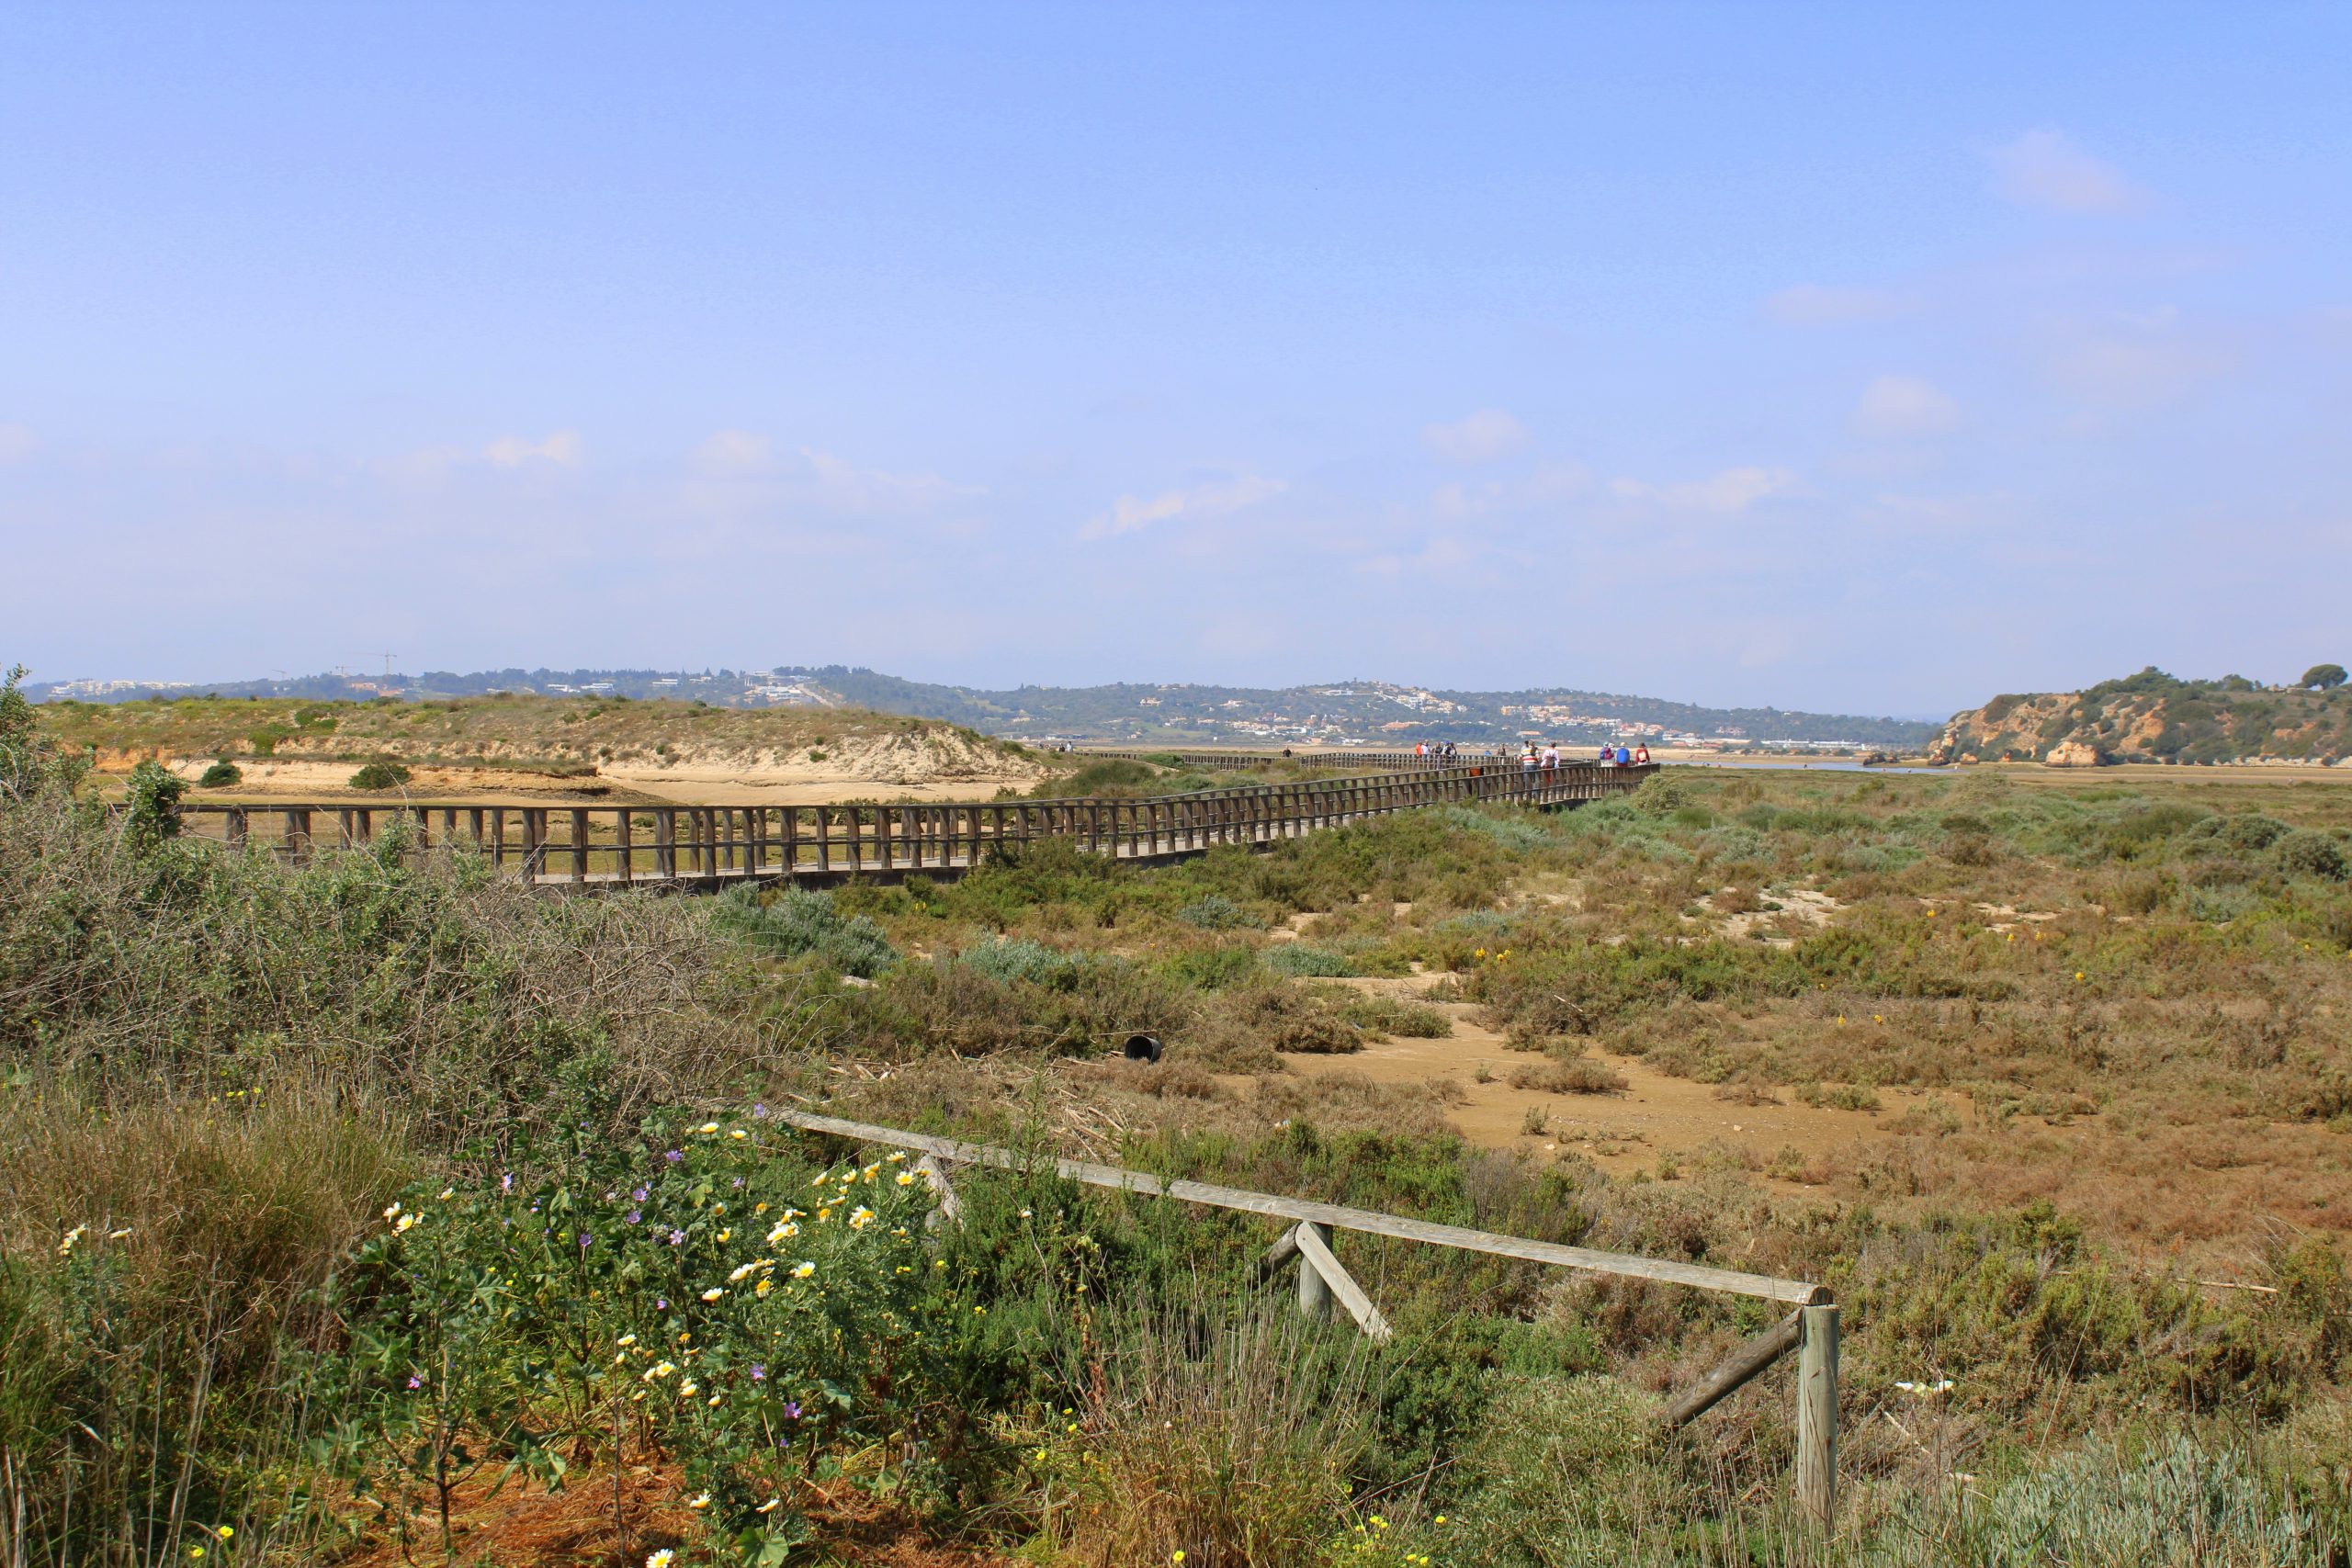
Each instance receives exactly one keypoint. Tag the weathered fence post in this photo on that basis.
(1313, 1291)
(1817, 1415)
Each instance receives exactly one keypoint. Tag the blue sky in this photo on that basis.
(1857, 357)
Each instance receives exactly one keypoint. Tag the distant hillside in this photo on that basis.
(1365, 711)
(503, 739)
(2152, 717)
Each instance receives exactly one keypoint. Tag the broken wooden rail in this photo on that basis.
(1810, 1330)
(596, 848)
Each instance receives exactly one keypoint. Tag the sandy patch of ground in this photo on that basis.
(1656, 1115)
(1783, 915)
(938, 764)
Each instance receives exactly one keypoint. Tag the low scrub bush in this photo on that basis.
(1309, 960)
(694, 1291)
(1007, 960)
(223, 774)
(1279, 1015)
(1215, 912)
(2308, 854)
(380, 775)
(795, 923)
(1572, 1074)
(1378, 1014)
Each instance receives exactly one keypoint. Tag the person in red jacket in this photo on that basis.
(1641, 756)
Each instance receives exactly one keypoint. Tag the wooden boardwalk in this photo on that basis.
(597, 847)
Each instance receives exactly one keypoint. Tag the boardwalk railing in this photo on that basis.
(598, 847)
(1318, 758)
(1811, 1329)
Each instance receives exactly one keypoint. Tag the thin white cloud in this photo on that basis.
(1895, 406)
(1480, 437)
(2045, 169)
(562, 448)
(17, 443)
(729, 454)
(1732, 490)
(1810, 305)
(845, 487)
(1132, 514)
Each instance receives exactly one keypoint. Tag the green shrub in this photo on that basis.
(2307, 853)
(1113, 776)
(1215, 912)
(1306, 961)
(514, 1321)
(380, 774)
(1213, 968)
(1556, 1459)
(2250, 831)
(153, 798)
(1392, 1015)
(2182, 1503)
(1007, 959)
(795, 922)
(223, 774)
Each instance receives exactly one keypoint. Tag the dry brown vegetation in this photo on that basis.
(2043, 987)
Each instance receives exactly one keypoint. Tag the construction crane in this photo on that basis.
(387, 658)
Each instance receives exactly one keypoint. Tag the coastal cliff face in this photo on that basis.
(2151, 717)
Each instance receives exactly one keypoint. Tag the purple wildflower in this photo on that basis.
(759, 1110)
(506, 1183)
(584, 1239)
(676, 1238)
(415, 1382)
(674, 1157)
(634, 1216)
(792, 1410)
(739, 1181)
(660, 1303)
(759, 1372)
(639, 1195)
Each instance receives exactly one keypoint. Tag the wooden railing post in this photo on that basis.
(1314, 1291)
(580, 846)
(625, 845)
(1817, 1415)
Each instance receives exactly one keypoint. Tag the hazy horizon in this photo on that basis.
(1835, 358)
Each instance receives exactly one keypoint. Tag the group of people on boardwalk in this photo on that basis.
(1531, 758)
(1549, 757)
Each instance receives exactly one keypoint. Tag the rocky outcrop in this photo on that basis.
(2151, 717)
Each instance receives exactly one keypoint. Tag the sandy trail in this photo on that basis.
(1656, 1115)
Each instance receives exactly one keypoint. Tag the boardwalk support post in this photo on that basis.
(1817, 1414)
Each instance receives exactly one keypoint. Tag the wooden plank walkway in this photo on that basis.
(594, 848)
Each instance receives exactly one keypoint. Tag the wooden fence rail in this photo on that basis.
(1810, 1330)
(598, 847)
